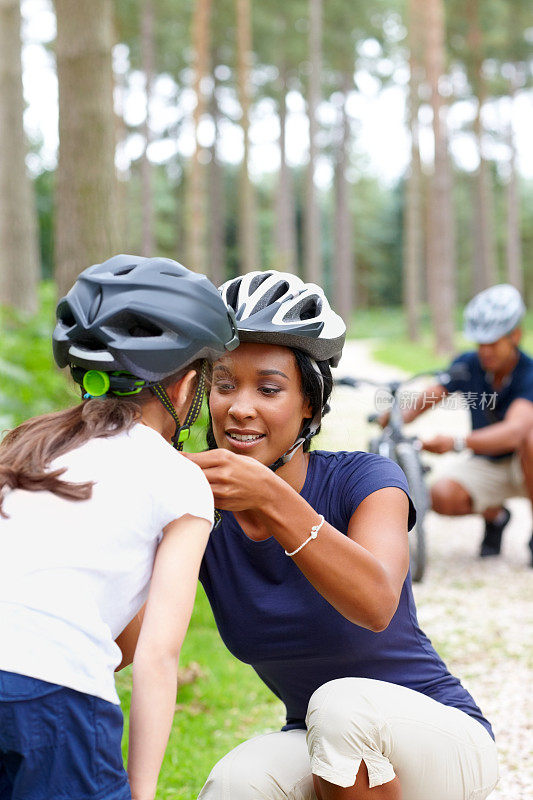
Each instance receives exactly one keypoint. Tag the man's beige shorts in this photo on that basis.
(487, 482)
(437, 752)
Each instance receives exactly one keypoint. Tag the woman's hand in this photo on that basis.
(238, 482)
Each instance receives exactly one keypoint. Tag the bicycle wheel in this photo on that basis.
(409, 460)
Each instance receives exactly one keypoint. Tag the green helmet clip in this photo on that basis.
(96, 383)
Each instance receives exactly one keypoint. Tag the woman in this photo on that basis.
(308, 580)
(96, 505)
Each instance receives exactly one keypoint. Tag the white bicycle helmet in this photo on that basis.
(493, 313)
(279, 308)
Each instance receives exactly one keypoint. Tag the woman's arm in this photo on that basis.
(155, 664)
(361, 574)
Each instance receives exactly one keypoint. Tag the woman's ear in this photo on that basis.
(307, 409)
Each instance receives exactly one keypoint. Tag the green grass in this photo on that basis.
(224, 706)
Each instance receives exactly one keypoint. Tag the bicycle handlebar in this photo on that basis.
(457, 372)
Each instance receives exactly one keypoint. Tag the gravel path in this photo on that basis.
(477, 612)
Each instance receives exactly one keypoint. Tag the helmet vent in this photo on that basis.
(232, 293)
(127, 324)
(90, 343)
(125, 270)
(256, 281)
(172, 275)
(65, 315)
(138, 328)
(281, 289)
(309, 308)
(144, 329)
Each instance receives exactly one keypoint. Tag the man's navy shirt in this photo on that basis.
(486, 405)
(270, 616)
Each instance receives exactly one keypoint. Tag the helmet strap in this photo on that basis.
(182, 432)
(308, 431)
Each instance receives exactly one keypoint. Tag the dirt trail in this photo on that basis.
(479, 613)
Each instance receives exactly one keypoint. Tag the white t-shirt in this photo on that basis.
(74, 573)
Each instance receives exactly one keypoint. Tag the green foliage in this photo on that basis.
(172, 27)
(30, 382)
(197, 441)
(377, 214)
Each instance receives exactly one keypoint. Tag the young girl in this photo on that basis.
(97, 512)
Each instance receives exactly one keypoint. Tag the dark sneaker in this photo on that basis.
(492, 540)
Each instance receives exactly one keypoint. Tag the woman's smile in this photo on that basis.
(243, 440)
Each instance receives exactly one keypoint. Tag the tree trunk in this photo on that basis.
(343, 264)
(484, 245)
(217, 205)
(440, 229)
(19, 252)
(148, 65)
(86, 223)
(285, 222)
(197, 189)
(484, 253)
(123, 180)
(249, 255)
(413, 224)
(515, 274)
(312, 238)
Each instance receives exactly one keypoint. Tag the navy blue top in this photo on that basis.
(485, 404)
(270, 616)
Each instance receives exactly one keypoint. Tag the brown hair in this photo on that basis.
(27, 451)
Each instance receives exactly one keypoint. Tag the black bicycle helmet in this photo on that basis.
(134, 321)
(149, 316)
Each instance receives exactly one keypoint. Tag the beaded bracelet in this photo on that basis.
(312, 535)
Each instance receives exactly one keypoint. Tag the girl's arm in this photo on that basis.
(360, 574)
(155, 664)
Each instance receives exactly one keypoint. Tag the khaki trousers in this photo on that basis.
(438, 752)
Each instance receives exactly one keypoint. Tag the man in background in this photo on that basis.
(495, 461)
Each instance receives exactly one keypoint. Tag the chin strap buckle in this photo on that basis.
(180, 437)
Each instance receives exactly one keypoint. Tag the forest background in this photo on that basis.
(382, 149)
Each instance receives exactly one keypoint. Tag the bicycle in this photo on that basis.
(394, 443)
